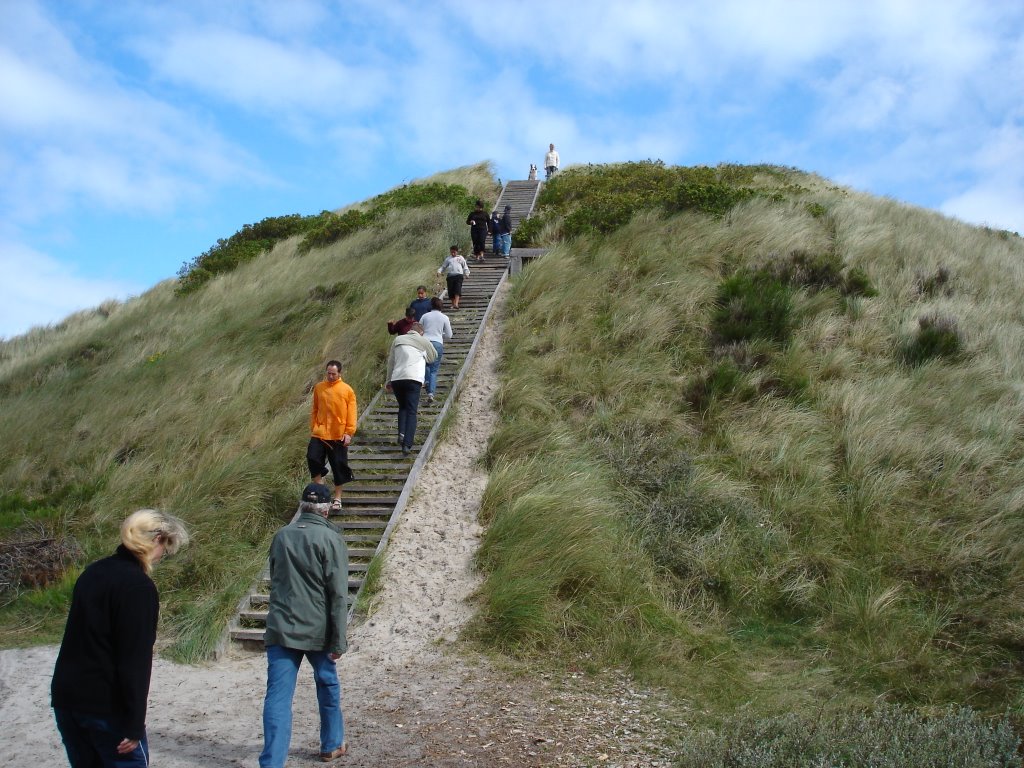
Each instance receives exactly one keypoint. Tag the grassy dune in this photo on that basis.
(760, 443)
(199, 404)
(814, 522)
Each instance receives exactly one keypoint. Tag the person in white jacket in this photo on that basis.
(407, 368)
(437, 329)
(550, 162)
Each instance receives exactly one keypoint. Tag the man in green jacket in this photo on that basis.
(308, 612)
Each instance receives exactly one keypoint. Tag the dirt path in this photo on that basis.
(410, 696)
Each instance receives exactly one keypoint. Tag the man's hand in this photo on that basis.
(334, 656)
(346, 439)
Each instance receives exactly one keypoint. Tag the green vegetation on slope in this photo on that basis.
(318, 231)
(722, 463)
(199, 403)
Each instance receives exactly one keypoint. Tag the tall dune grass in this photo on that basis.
(814, 503)
(200, 404)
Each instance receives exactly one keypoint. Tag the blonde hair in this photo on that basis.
(144, 530)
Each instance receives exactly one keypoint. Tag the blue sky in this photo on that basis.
(134, 134)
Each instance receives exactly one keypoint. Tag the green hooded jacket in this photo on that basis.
(308, 586)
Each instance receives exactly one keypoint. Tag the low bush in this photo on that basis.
(887, 737)
(752, 305)
(525, 235)
(245, 245)
(604, 198)
(937, 336)
(320, 230)
(938, 283)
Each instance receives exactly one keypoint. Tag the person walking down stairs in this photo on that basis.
(478, 225)
(332, 424)
(455, 269)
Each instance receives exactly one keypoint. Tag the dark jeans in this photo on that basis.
(407, 391)
(91, 741)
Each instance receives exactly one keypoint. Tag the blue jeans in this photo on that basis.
(282, 669)
(432, 368)
(91, 741)
(505, 241)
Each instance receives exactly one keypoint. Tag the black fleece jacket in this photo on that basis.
(106, 657)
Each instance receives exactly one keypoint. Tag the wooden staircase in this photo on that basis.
(384, 478)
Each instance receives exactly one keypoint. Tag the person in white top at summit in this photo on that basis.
(437, 329)
(551, 161)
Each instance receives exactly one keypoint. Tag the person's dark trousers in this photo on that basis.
(407, 392)
(320, 452)
(91, 741)
(479, 240)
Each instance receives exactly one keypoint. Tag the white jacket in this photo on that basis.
(551, 159)
(454, 265)
(409, 356)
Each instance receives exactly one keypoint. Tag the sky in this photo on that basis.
(134, 134)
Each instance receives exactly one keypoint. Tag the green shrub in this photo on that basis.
(722, 380)
(936, 337)
(937, 283)
(335, 227)
(331, 228)
(320, 230)
(714, 199)
(887, 737)
(857, 283)
(814, 271)
(245, 245)
(752, 305)
(525, 235)
(817, 210)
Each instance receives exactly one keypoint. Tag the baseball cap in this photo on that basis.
(316, 493)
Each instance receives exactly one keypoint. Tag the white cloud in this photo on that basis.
(38, 290)
(261, 74)
(75, 135)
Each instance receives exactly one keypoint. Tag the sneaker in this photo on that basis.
(430, 397)
(401, 439)
(336, 506)
(406, 450)
(334, 754)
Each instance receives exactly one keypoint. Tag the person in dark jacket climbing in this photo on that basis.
(101, 679)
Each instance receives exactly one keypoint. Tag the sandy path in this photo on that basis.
(408, 700)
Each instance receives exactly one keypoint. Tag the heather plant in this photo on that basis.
(885, 737)
(936, 336)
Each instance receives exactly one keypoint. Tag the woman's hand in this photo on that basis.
(127, 746)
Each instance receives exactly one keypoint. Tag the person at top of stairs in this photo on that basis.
(551, 161)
